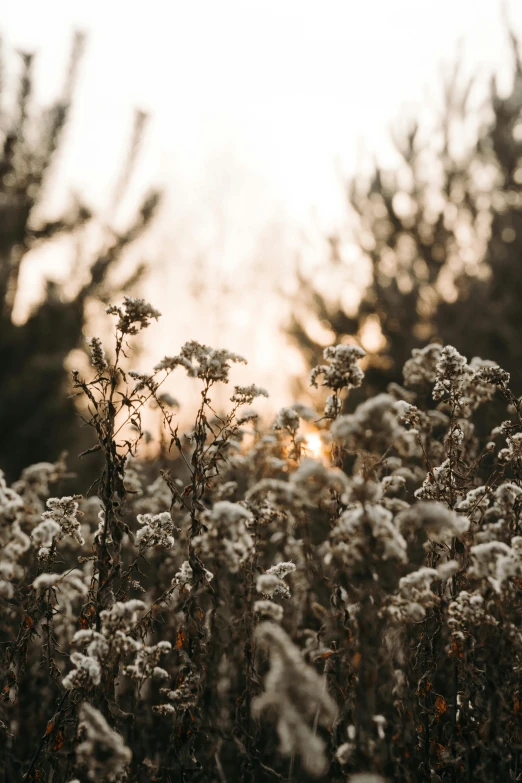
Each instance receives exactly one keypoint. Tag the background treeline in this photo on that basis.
(442, 234)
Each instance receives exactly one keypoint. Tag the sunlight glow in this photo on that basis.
(313, 445)
(372, 338)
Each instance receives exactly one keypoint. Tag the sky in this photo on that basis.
(257, 111)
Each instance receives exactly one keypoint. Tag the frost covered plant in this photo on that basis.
(298, 698)
(102, 752)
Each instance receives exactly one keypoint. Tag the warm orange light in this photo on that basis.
(313, 445)
(371, 336)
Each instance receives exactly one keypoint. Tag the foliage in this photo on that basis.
(261, 615)
(36, 416)
(442, 235)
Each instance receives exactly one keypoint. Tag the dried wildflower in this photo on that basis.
(280, 570)
(287, 419)
(86, 674)
(44, 535)
(435, 519)
(296, 694)
(185, 575)
(65, 512)
(155, 530)
(422, 367)
(226, 538)
(452, 369)
(200, 361)
(374, 425)
(146, 662)
(245, 395)
(349, 539)
(414, 595)
(122, 616)
(269, 610)
(98, 358)
(133, 315)
(69, 579)
(102, 751)
(342, 370)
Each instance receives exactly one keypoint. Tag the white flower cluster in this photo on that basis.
(245, 395)
(98, 358)
(287, 419)
(437, 521)
(497, 562)
(465, 611)
(132, 314)
(313, 481)
(422, 367)
(86, 674)
(61, 519)
(102, 751)
(414, 594)
(514, 448)
(365, 527)
(310, 484)
(112, 642)
(345, 752)
(342, 370)
(227, 538)
(452, 369)
(332, 407)
(374, 425)
(297, 696)
(471, 384)
(184, 575)
(146, 662)
(184, 696)
(13, 541)
(269, 610)
(155, 530)
(437, 483)
(272, 583)
(200, 361)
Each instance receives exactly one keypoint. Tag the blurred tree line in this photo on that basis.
(442, 234)
(37, 416)
(443, 238)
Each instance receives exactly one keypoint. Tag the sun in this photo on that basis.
(313, 445)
